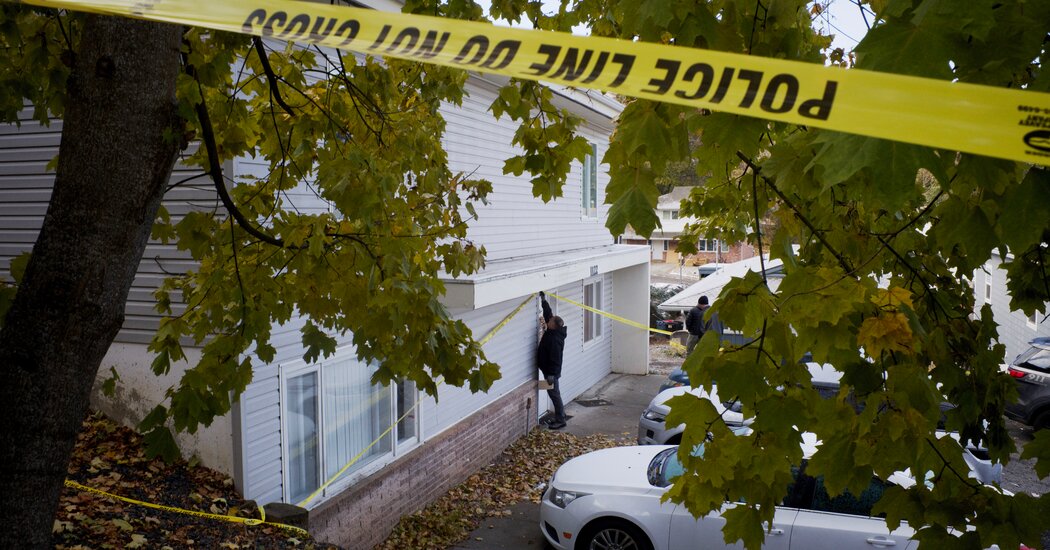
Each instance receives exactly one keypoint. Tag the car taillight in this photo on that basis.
(1015, 373)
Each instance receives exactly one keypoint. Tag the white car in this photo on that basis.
(652, 430)
(610, 500)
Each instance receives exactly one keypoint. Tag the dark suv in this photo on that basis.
(1031, 370)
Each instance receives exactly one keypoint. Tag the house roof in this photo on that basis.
(674, 198)
(712, 285)
(514, 278)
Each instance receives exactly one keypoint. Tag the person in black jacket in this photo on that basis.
(548, 359)
(695, 324)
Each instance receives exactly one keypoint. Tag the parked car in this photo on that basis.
(652, 426)
(669, 325)
(612, 499)
(663, 320)
(679, 377)
(653, 429)
(1031, 371)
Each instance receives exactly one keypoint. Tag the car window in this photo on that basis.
(847, 503)
(798, 493)
(1034, 358)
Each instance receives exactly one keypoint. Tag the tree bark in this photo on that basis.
(116, 156)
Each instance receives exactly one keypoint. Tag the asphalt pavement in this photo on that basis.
(611, 407)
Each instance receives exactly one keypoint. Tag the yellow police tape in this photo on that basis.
(614, 317)
(358, 456)
(231, 519)
(997, 122)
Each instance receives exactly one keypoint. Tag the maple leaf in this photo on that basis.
(885, 333)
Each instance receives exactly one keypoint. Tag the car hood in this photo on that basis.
(619, 468)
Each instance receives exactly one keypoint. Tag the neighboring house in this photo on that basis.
(1015, 328)
(663, 242)
(297, 423)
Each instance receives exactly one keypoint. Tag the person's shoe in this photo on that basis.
(556, 425)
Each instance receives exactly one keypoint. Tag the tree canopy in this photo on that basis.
(888, 235)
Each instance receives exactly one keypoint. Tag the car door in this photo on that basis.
(689, 533)
(844, 522)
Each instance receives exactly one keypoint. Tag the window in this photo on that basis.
(301, 425)
(590, 183)
(847, 503)
(334, 415)
(988, 287)
(592, 322)
(406, 411)
(670, 214)
(708, 245)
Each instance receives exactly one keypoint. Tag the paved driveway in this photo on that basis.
(611, 407)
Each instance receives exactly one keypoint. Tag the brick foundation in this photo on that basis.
(364, 515)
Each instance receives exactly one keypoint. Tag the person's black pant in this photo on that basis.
(555, 394)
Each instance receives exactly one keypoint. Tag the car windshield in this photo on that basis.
(665, 466)
(1034, 358)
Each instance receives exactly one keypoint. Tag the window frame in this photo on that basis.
(705, 245)
(593, 329)
(287, 372)
(589, 184)
(398, 447)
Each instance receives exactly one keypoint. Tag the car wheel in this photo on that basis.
(1041, 421)
(674, 440)
(613, 534)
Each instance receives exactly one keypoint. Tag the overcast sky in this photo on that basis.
(842, 19)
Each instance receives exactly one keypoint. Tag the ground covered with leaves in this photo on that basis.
(518, 474)
(110, 458)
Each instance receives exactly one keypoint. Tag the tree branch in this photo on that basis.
(215, 168)
(271, 78)
(798, 214)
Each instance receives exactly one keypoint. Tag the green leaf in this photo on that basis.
(634, 197)
(109, 385)
(317, 343)
(160, 443)
(18, 266)
(906, 48)
(1023, 206)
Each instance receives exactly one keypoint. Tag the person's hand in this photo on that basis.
(542, 295)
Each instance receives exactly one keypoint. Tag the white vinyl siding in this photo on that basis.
(25, 191)
(584, 365)
(515, 223)
(1015, 328)
(513, 348)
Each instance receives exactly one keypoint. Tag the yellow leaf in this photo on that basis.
(892, 298)
(885, 333)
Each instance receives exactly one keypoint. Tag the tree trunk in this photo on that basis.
(116, 156)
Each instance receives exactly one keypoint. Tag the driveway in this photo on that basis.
(611, 407)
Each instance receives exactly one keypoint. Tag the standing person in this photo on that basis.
(695, 324)
(548, 359)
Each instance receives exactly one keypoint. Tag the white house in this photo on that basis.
(1016, 329)
(299, 423)
(663, 243)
